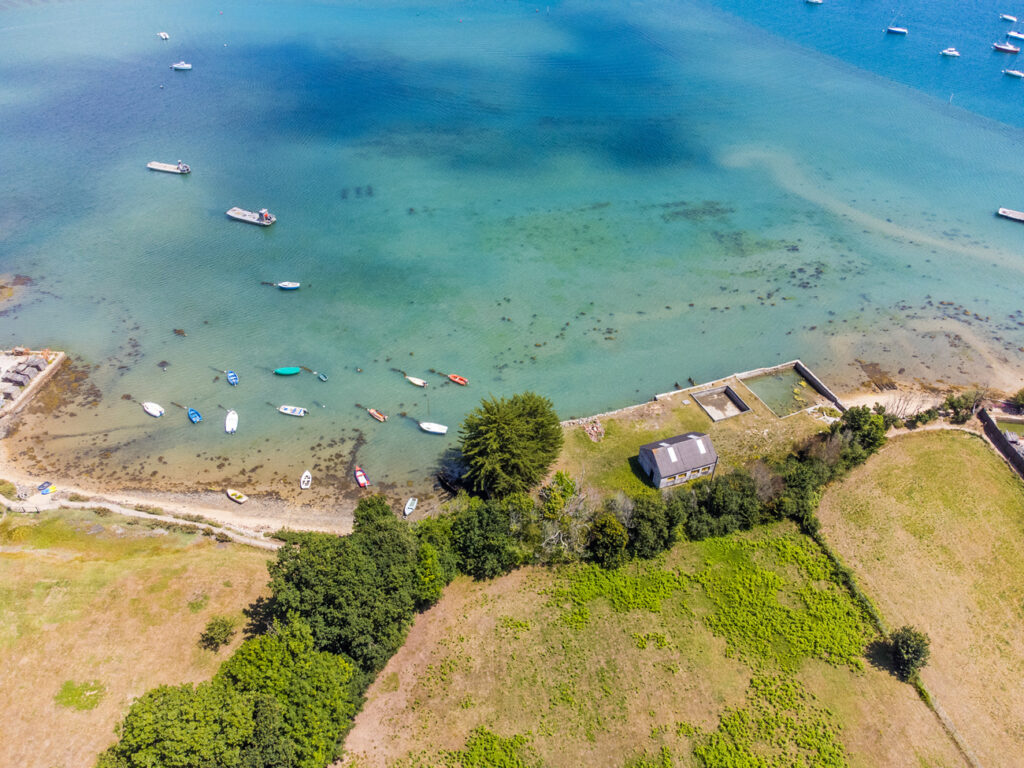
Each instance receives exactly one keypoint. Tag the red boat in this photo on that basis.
(460, 380)
(361, 478)
(376, 414)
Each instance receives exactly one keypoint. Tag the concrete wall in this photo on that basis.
(999, 440)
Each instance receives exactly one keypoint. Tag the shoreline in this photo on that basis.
(274, 508)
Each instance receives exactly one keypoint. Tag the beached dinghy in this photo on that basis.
(361, 478)
(434, 429)
(410, 506)
(232, 378)
(153, 409)
(262, 217)
(237, 496)
(289, 370)
(231, 422)
(178, 167)
(293, 410)
(306, 480)
(194, 416)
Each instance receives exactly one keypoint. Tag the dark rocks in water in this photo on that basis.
(126, 397)
(162, 365)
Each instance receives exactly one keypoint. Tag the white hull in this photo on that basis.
(410, 506)
(252, 217)
(434, 429)
(292, 410)
(181, 66)
(231, 422)
(306, 481)
(237, 496)
(153, 409)
(416, 382)
(168, 167)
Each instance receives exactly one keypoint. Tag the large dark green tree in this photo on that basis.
(608, 538)
(910, 651)
(358, 593)
(508, 445)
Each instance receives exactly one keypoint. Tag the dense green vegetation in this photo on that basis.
(219, 632)
(508, 445)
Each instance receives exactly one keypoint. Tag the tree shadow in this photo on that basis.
(259, 617)
(449, 471)
(879, 655)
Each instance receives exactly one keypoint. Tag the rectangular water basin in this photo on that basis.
(785, 391)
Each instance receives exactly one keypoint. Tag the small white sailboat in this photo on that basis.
(434, 429)
(292, 410)
(410, 506)
(415, 381)
(163, 35)
(181, 66)
(231, 422)
(237, 496)
(306, 480)
(287, 285)
(153, 409)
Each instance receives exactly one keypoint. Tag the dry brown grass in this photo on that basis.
(87, 598)
(497, 654)
(609, 465)
(933, 528)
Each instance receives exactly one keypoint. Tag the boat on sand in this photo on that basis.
(410, 506)
(361, 478)
(237, 496)
(306, 481)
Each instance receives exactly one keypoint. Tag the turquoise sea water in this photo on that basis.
(591, 200)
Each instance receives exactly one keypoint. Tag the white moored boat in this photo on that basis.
(415, 381)
(434, 429)
(1005, 48)
(410, 506)
(163, 35)
(1007, 17)
(949, 52)
(237, 496)
(153, 409)
(231, 422)
(262, 217)
(1015, 35)
(306, 480)
(293, 410)
(1013, 73)
(181, 66)
(178, 167)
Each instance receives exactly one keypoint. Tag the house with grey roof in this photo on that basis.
(679, 459)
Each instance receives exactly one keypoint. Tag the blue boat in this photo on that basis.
(194, 416)
(232, 378)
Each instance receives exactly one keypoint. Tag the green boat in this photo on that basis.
(290, 371)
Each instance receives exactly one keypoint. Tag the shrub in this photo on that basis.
(509, 444)
(608, 539)
(8, 489)
(962, 406)
(482, 539)
(219, 632)
(910, 651)
(1018, 399)
(648, 527)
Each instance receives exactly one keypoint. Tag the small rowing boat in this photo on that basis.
(237, 496)
(262, 217)
(1009, 213)
(194, 416)
(288, 286)
(376, 414)
(410, 506)
(232, 378)
(178, 167)
(434, 429)
(289, 370)
(292, 410)
(306, 481)
(181, 66)
(361, 478)
(153, 409)
(322, 376)
(231, 422)
(460, 380)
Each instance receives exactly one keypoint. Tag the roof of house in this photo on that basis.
(682, 453)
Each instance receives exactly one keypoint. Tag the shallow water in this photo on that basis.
(588, 200)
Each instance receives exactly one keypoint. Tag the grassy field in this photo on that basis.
(933, 526)
(610, 465)
(722, 650)
(94, 611)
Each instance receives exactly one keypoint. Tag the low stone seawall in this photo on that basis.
(26, 395)
(1004, 446)
(819, 385)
